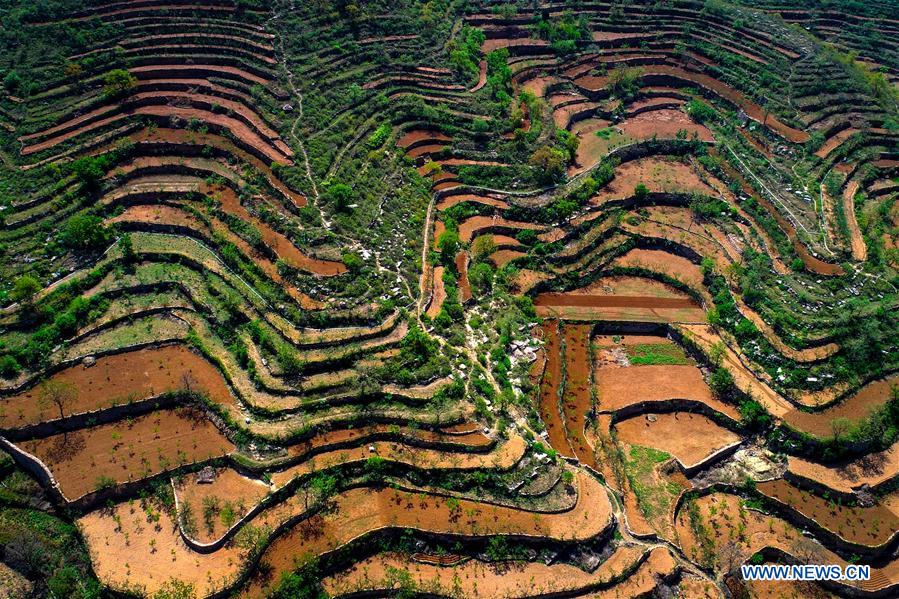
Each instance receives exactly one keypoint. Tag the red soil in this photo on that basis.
(576, 400)
(503, 257)
(855, 408)
(508, 579)
(191, 70)
(870, 526)
(660, 261)
(450, 201)
(417, 135)
(856, 239)
(361, 511)
(120, 379)
(691, 438)
(439, 293)
(469, 229)
(611, 301)
(549, 390)
(754, 111)
(834, 142)
(663, 124)
(128, 450)
(617, 388)
(149, 137)
(482, 76)
(873, 470)
(464, 286)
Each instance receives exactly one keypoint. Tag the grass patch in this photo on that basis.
(648, 354)
(606, 133)
(654, 494)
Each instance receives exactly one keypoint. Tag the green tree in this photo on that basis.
(341, 196)
(699, 111)
(84, 232)
(640, 192)
(448, 242)
(12, 82)
(482, 248)
(24, 289)
(118, 82)
(549, 164)
(481, 277)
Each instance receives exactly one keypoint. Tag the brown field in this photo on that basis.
(617, 388)
(120, 379)
(855, 408)
(740, 532)
(549, 390)
(480, 579)
(576, 399)
(354, 513)
(691, 438)
(128, 450)
(621, 298)
(870, 526)
(873, 469)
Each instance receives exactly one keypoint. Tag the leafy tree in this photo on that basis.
(549, 164)
(9, 366)
(699, 111)
(352, 261)
(499, 75)
(12, 82)
(570, 141)
(58, 394)
(721, 381)
(448, 242)
(341, 196)
(481, 277)
(483, 247)
(89, 170)
(24, 289)
(126, 246)
(640, 192)
(118, 82)
(303, 583)
(624, 81)
(84, 232)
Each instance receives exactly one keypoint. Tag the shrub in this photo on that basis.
(699, 111)
(84, 232)
(721, 381)
(24, 289)
(341, 196)
(118, 82)
(549, 164)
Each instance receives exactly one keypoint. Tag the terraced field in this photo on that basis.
(455, 299)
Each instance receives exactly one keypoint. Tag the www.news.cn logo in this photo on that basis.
(805, 572)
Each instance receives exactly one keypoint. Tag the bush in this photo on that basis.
(84, 232)
(699, 111)
(24, 289)
(118, 82)
(549, 164)
(341, 196)
(721, 381)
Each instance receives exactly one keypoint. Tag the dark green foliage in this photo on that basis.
(464, 52)
(341, 196)
(549, 164)
(699, 111)
(564, 33)
(84, 232)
